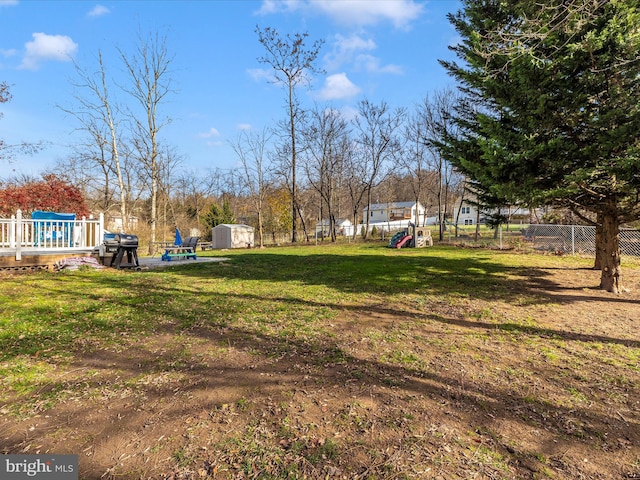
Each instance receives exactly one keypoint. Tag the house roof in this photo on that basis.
(339, 221)
(383, 206)
(233, 226)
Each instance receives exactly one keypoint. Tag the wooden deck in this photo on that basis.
(33, 260)
(28, 244)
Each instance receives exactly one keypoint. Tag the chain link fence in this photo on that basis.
(565, 239)
(577, 239)
(570, 239)
(560, 239)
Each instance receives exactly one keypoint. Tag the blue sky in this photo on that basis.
(381, 50)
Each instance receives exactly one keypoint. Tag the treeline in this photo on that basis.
(202, 199)
(315, 164)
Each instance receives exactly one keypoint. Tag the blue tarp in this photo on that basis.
(53, 228)
(178, 240)
(41, 215)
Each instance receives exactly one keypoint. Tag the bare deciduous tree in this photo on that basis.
(97, 115)
(327, 144)
(292, 62)
(414, 161)
(250, 147)
(377, 129)
(169, 162)
(434, 115)
(150, 84)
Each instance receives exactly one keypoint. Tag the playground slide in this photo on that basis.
(404, 240)
(395, 239)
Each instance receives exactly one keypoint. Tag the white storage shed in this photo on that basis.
(343, 227)
(228, 235)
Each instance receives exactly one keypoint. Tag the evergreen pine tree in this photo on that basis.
(551, 112)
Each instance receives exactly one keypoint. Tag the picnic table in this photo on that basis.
(181, 252)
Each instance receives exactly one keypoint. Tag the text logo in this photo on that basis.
(49, 467)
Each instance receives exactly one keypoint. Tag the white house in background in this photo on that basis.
(114, 223)
(469, 213)
(393, 215)
(343, 227)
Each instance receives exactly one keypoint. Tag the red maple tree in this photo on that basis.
(51, 194)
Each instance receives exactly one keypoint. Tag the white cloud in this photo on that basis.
(351, 12)
(48, 47)
(279, 6)
(370, 12)
(349, 113)
(354, 43)
(9, 52)
(244, 126)
(8, 3)
(371, 64)
(338, 86)
(98, 11)
(344, 50)
(348, 51)
(260, 74)
(213, 132)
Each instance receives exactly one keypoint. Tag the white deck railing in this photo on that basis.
(27, 235)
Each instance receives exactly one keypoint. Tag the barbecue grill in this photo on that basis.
(120, 245)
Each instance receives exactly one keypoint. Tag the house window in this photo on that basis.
(466, 210)
(468, 221)
(371, 214)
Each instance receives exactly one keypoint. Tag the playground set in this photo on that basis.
(412, 237)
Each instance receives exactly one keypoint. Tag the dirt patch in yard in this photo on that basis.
(457, 388)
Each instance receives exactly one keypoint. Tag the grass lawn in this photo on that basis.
(333, 361)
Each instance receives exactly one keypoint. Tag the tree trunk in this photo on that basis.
(294, 192)
(611, 272)
(355, 224)
(116, 161)
(303, 223)
(332, 226)
(599, 260)
(154, 200)
(459, 211)
(321, 224)
(440, 214)
(260, 228)
(366, 230)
